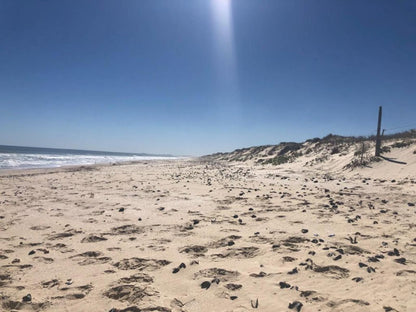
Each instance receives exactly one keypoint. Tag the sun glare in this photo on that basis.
(224, 47)
(223, 24)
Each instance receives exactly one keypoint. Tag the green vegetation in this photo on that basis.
(278, 160)
(401, 144)
(385, 149)
(335, 150)
(357, 162)
(321, 148)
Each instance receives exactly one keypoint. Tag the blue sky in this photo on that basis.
(201, 76)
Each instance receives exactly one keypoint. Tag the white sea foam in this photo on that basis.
(28, 161)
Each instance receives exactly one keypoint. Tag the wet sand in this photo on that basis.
(187, 235)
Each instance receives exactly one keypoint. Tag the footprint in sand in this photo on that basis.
(11, 305)
(141, 277)
(62, 235)
(332, 271)
(60, 247)
(40, 227)
(194, 250)
(5, 279)
(130, 293)
(233, 287)
(225, 242)
(50, 284)
(221, 274)
(90, 257)
(44, 259)
(93, 239)
(78, 292)
(239, 253)
(141, 264)
(126, 230)
(347, 304)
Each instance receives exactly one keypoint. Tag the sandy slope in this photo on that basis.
(119, 232)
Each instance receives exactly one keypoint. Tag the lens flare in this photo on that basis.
(225, 53)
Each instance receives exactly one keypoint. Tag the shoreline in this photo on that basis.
(49, 170)
(18, 158)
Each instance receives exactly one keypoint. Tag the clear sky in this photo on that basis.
(200, 76)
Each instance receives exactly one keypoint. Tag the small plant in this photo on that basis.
(321, 159)
(335, 150)
(357, 162)
(401, 144)
(385, 149)
(314, 140)
(375, 159)
(297, 154)
(281, 159)
(278, 160)
(362, 149)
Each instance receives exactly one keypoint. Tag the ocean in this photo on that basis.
(20, 157)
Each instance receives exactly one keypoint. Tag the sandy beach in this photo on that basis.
(207, 156)
(190, 235)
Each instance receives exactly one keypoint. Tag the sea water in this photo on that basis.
(19, 157)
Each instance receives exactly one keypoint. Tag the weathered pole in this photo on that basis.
(378, 138)
(362, 153)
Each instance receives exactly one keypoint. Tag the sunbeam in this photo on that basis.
(226, 62)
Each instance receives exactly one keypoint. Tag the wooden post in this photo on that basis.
(362, 153)
(378, 139)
